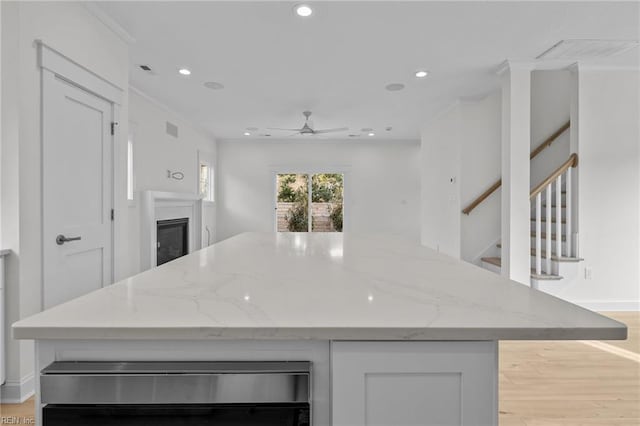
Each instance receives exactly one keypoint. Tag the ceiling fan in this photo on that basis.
(308, 130)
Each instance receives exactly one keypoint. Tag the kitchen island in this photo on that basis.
(395, 332)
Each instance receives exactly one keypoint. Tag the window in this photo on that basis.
(130, 168)
(309, 202)
(206, 184)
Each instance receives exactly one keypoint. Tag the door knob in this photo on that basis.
(61, 239)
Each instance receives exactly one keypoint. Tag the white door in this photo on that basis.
(77, 190)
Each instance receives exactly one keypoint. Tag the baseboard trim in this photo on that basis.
(17, 391)
(610, 305)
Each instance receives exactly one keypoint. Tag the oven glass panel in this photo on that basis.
(172, 415)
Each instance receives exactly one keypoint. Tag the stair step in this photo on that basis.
(553, 220)
(496, 261)
(493, 260)
(533, 250)
(553, 257)
(543, 235)
(545, 277)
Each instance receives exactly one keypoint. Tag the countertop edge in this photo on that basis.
(347, 333)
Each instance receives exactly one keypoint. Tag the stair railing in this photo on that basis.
(545, 190)
(533, 154)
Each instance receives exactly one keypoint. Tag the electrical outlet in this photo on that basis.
(588, 273)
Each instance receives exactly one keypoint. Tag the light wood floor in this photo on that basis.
(552, 383)
(572, 383)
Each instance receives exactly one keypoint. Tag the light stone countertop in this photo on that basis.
(325, 286)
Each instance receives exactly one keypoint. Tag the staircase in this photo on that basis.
(548, 272)
(551, 220)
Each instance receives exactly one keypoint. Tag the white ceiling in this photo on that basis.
(336, 63)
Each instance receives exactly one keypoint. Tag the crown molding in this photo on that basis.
(560, 65)
(579, 66)
(514, 64)
(171, 111)
(109, 22)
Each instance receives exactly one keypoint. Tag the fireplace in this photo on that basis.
(158, 208)
(172, 239)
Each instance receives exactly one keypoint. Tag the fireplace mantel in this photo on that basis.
(161, 205)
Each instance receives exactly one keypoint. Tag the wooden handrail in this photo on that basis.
(571, 162)
(533, 154)
(549, 140)
(482, 196)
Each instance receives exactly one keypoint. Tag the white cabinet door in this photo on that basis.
(414, 383)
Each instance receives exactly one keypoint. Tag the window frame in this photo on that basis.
(204, 159)
(279, 170)
(130, 175)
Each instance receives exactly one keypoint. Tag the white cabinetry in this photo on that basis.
(414, 383)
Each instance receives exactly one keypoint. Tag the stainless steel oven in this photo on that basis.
(176, 393)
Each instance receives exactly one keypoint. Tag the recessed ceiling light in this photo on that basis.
(213, 85)
(394, 87)
(247, 134)
(184, 71)
(371, 134)
(422, 73)
(303, 10)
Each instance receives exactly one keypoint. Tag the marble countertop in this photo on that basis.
(317, 286)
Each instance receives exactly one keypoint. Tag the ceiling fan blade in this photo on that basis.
(278, 128)
(340, 129)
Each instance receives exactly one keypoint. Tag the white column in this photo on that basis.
(574, 147)
(516, 145)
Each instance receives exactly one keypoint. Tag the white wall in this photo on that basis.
(155, 152)
(72, 30)
(608, 114)
(462, 142)
(440, 196)
(550, 98)
(481, 153)
(381, 182)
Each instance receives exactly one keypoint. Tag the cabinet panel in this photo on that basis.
(433, 396)
(414, 383)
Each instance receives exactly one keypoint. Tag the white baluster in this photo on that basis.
(548, 229)
(538, 235)
(558, 216)
(568, 213)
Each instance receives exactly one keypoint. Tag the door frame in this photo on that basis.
(54, 65)
(310, 170)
